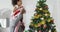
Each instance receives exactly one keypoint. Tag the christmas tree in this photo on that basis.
(42, 21)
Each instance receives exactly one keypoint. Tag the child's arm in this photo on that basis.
(14, 9)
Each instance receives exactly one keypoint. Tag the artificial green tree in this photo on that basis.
(42, 21)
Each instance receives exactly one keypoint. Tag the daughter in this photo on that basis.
(18, 11)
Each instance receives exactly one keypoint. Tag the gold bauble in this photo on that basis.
(35, 25)
(49, 30)
(47, 14)
(37, 16)
(40, 9)
(39, 24)
(31, 21)
(43, 22)
(49, 20)
(42, 18)
(45, 11)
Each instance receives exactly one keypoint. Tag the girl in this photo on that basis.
(18, 11)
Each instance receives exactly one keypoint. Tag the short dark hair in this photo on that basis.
(14, 2)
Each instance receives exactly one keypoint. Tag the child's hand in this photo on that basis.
(15, 8)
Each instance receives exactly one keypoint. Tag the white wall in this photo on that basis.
(5, 4)
(30, 6)
(57, 16)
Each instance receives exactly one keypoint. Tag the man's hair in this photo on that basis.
(14, 2)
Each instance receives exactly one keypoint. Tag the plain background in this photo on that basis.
(29, 5)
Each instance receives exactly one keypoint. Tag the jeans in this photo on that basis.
(14, 22)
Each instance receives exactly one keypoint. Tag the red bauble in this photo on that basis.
(46, 6)
(44, 26)
(39, 31)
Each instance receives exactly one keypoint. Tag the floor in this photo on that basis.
(4, 29)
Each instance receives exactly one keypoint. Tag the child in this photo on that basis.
(17, 23)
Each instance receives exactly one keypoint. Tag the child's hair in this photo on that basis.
(14, 2)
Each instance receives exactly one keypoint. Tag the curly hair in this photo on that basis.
(14, 2)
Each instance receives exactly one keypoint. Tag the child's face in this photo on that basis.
(19, 2)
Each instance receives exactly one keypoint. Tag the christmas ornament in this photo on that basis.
(46, 7)
(32, 20)
(47, 14)
(40, 9)
(49, 30)
(45, 11)
(44, 26)
(39, 24)
(35, 30)
(35, 25)
(43, 22)
(36, 16)
(49, 20)
(42, 18)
